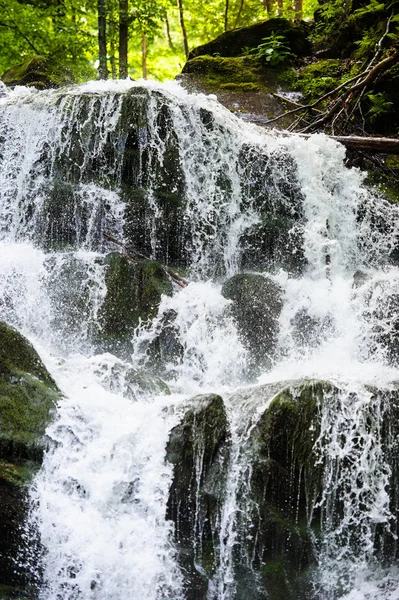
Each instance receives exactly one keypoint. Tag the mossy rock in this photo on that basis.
(8, 592)
(242, 84)
(235, 73)
(28, 396)
(275, 242)
(133, 383)
(198, 449)
(256, 306)
(284, 475)
(40, 72)
(165, 349)
(133, 295)
(233, 42)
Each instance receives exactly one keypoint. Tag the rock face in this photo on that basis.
(198, 449)
(141, 184)
(39, 72)
(28, 396)
(256, 307)
(283, 469)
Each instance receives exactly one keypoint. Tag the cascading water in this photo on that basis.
(181, 180)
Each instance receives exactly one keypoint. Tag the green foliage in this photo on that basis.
(380, 105)
(66, 31)
(274, 50)
(374, 6)
(329, 18)
(317, 79)
(367, 44)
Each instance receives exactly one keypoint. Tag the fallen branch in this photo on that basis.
(366, 77)
(174, 276)
(284, 99)
(346, 97)
(308, 107)
(380, 145)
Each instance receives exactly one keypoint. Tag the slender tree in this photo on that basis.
(237, 19)
(168, 36)
(102, 40)
(226, 15)
(144, 54)
(183, 27)
(123, 36)
(112, 36)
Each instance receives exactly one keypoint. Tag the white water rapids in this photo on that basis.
(99, 501)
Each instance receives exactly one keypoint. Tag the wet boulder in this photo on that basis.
(198, 449)
(280, 478)
(256, 306)
(134, 291)
(28, 397)
(122, 378)
(165, 350)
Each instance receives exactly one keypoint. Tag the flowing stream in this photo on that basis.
(99, 500)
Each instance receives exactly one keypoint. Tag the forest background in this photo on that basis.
(154, 36)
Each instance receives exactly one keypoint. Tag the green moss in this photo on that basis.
(392, 161)
(8, 592)
(28, 396)
(208, 557)
(26, 405)
(295, 410)
(241, 87)
(16, 353)
(241, 73)
(17, 474)
(322, 68)
(133, 295)
(274, 576)
(38, 71)
(384, 184)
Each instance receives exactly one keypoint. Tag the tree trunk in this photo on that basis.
(144, 54)
(183, 27)
(112, 34)
(226, 15)
(279, 8)
(269, 5)
(298, 10)
(237, 19)
(102, 40)
(123, 33)
(168, 36)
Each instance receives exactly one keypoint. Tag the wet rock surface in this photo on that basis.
(28, 397)
(256, 307)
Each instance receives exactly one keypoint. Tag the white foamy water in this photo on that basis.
(100, 498)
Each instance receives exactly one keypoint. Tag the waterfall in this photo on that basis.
(178, 179)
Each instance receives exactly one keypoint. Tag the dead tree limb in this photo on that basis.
(346, 97)
(378, 145)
